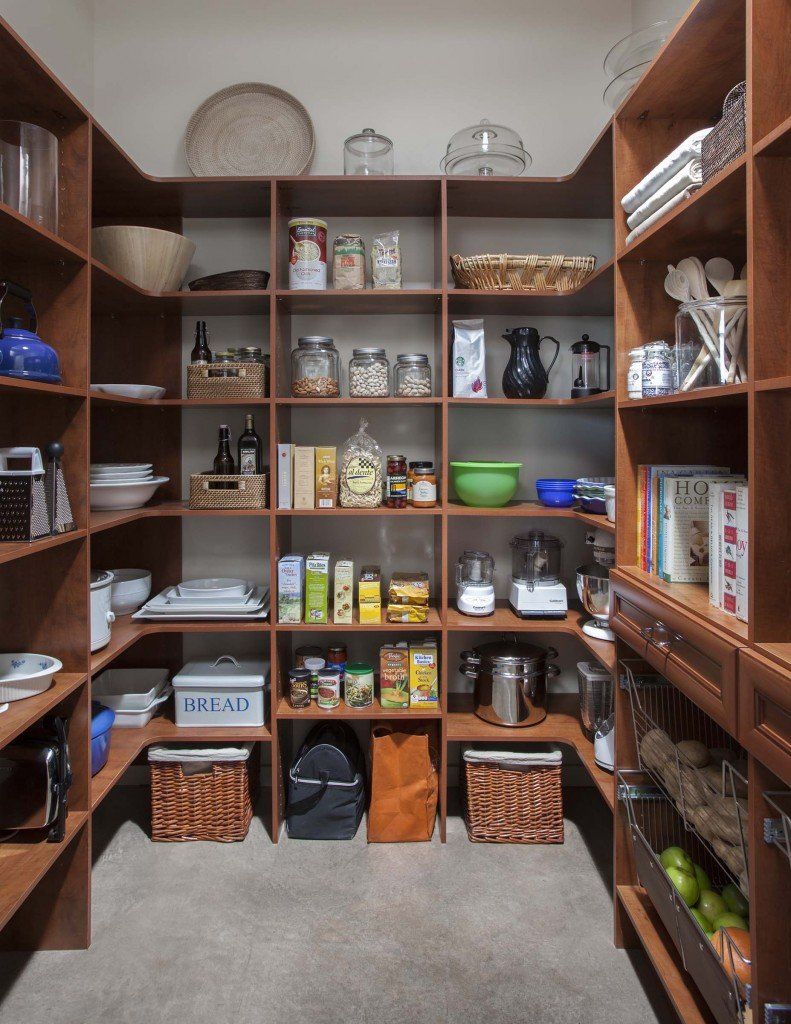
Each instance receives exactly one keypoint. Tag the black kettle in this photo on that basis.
(525, 376)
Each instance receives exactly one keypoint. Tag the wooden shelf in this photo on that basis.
(21, 714)
(349, 402)
(520, 509)
(31, 243)
(184, 403)
(39, 388)
(776, 143)
(344, 195)
(562, 725)
(106, 519)
(774, 384)
(367, 302)
(434, 624)
(780, 653)
(594, 297)
(729, 394)
(383, 510)
(127, 744)
(605, 400)
(682, 991)
(13, 549)
(25, 859)
(314, 712)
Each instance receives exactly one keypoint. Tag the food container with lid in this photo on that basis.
(369, 373)
(102, 719)
(359, 684)
(23, 354)
(368, 152)
(510, 681)
(486, 149)
(102, 616)
(412, 376)
(223, 692)
(315, 368)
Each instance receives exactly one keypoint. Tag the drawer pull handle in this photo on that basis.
(647, 633)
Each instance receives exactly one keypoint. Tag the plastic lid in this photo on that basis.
(486, 149)
(100, 578)
(314, 664)
(308, 220)
(359, 668)
(102, 719)
(536, 540)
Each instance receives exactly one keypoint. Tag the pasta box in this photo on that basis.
(225, 692)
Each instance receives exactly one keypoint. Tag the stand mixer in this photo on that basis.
(536, 590)
(475, 583)
(593, 586)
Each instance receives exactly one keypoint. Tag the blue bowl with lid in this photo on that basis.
(556, 492)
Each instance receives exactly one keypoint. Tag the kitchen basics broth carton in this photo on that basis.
(423, 675)
(394, 675)
(317, 587)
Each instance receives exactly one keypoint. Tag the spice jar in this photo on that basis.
(299, 688)
(315, 368)
(251, 354)
(314, 666)
(634, 375)
(396, 481)
(657, 370)
(337, 657)
(306, 651)
(359, 685)
(412, 376)
(424, 485)
(369, 373)
(329, 688)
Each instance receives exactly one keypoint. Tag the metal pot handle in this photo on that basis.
(553, 671)
(551, 652)
(470, 664)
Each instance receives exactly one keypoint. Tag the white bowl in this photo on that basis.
(124, 495)
(213, 587)
(122, 478)
(130, 588)
(25, 675)
(133, 468)
(609, 501)
(145, 391)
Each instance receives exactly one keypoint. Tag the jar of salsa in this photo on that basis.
(396, 481)
(424, 485)
(337, 657)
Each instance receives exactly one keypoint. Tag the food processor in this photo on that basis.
(475, 583)
(536, 590)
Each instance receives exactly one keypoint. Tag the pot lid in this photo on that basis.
(102, 719)
(225, 671)
(100, 578)
(510, 651)
(486, 149)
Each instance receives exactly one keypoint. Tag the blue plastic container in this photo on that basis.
(556, 492)
(102, 719)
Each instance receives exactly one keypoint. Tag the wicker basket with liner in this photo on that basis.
(218, 491)
(235, 380)
(521, 273)
(728, 138)
(200, 794)
(512, 797)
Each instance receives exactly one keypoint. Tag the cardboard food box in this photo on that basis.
(326, 477)
(317, 587)
(304, 477)
(285, 476)
(290, 578)
(394, 675)
(343, 599)
(423, 675)
(369, 594)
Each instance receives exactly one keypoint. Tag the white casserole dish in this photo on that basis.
(25, 675)
(140, 719)
(213, 587)
(225, 692)
(129, 689)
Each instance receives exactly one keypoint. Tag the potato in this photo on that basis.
(656, 749)
(730, 819)
(694, 753)
(695, 792)
(731, 856)
(705, 819)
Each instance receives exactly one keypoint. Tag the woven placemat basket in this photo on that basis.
(512, 805)
(214, 805)
(728, 139)
(231, 281)
(220, 491)
(521, 273)
(248, 380)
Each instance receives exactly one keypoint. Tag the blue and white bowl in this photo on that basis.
(25, 675)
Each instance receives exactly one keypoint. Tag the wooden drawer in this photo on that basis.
(765, 713)
(697, 659)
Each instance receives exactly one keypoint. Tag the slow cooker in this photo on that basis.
(102, 617)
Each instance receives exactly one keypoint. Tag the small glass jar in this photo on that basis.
(368, 153)
(359, 685)
(337, 657)
(299, 688)
(657, 370)
(634, 375)
(396, 481)
(424, 485)
(412, 376)
(314, 666)
(251, 354)
(315, 368)
(369, 373)
(221, 364)
(329, 688)
(711, 343)
(306, 651)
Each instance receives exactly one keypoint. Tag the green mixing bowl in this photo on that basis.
(485, 484)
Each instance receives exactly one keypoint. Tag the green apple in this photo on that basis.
(675, 857)
(711, 905)
(735, 901)
(703, 921)
(730, 921)
(704, 882)
(686, 885)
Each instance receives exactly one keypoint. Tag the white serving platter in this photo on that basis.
(145, 391)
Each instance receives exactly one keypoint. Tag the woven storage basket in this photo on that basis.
(231, 281)
(214, 490)
(513, 805)
(521, 273)
(728, 139)
(214, 805)
(251, 380)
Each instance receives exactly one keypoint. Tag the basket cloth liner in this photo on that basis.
(199, 759)
(513, 759)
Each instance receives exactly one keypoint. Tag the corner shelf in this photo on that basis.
(34, 243)
(534, 509)
(21, 714)
(725, 395)
(315, 713)
(594, 297)
(605, 400)
(13, 549)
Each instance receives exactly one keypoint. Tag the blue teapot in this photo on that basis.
(22, 353)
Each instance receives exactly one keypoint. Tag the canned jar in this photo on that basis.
(315, 368)
(657, 370)
(634, 375)
(337, 657)
(396, 481)
(369, 373)
(314, 666)
(424, 485)
(412, 376)
(329, 685)
(305, 651)
(307, 254)
(359, 685)
(299, 688)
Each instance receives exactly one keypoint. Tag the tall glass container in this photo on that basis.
(29, 172)
(711, 343)
(368, 153)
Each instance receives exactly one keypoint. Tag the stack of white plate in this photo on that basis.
(208, 599)
(120, 485)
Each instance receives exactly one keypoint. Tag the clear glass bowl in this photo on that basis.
(486, 149)
(637, 48)
(711, 343)
(368, 153)
(620, 87)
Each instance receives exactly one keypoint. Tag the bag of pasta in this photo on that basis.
(361, 475)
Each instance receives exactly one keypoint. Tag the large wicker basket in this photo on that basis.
(728, 139)
(521, 273)
(510, 804)
(214, 805)
(247, 380)
(219, 491)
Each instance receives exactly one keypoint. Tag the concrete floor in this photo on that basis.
(341, 933)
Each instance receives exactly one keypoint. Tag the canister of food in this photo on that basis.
(634, 375)
(314, 666)
(299, 688)
(307, 253)
(329, 688)
(359, 685)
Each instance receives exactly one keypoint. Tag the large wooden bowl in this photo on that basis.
(149, 257)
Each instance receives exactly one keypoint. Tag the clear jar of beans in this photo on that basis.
(412, 376)
(369, 373)
(315, 368)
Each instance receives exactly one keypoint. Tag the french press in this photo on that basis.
(586, 367)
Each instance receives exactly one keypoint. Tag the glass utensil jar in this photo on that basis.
(29, 172)
(315, 368)
(657, 370)
(412, 376)
(711, 343)
(368, 153)
(369, 373)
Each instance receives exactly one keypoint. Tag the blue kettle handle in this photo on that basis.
(548, 337)
(9, 288)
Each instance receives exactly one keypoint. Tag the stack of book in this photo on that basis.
(692, 528)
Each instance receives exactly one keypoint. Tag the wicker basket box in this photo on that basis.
(521, 273)
(506, 802)
(218, 491)
(240, 380)
(214, 805)
(728, 139)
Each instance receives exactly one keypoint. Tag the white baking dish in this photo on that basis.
(25, 675)
(140, 719)
(129, 689)
(225, 692)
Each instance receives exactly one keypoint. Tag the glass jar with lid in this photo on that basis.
(657, 370)
(369, 373)
(634, 375)
(486, 149)
(412, 376)
(251, 354)
(315, 368)
(368, 152)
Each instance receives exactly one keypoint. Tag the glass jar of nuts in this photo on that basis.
(412, 376)
(315, 368)
(369, 373)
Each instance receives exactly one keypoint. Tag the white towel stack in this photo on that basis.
(668, 184)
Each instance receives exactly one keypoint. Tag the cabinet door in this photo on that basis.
(697, 659)
(765, 712)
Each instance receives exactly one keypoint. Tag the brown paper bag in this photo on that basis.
(403, 784)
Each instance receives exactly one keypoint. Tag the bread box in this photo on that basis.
(225, 692)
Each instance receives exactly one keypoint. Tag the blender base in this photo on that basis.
(594, 628)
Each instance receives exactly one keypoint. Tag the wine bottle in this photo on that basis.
(201, 353)
(251, 453)
(223, 462)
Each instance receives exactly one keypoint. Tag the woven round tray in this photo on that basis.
(231, 281)
(250, 129)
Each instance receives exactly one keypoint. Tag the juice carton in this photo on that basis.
(317, 587)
